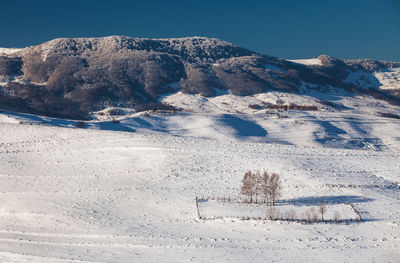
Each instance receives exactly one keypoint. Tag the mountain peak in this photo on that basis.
(192, 48)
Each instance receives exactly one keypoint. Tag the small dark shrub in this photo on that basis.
(80, 124)
(255, 107)
(10, 66)
(388, 115)
(114, 112)
(115, 121)
(153, 106)
(292, 106)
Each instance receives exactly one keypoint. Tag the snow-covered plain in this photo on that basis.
(125, 192)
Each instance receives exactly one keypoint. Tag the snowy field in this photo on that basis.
(100, 194)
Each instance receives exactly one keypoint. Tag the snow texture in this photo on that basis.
(388, 79)
(308, 62)
(7, 51)
(124, 191)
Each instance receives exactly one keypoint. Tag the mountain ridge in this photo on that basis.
(71, 77)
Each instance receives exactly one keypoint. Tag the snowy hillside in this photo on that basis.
(74, 77)
(124, 190)
(388, 79)
(311, 61)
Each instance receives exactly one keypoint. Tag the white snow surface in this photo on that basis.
(214, 209)
(7, 51)
(273, 67)
(388, 79)
(124, 190)
(311, 61)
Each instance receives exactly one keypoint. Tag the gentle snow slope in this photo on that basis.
(82, 195)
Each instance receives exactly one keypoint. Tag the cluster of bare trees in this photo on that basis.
(264, 185)
(313, 213)
(273, 213)
(10, 66)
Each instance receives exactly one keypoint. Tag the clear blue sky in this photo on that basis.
(282, 28)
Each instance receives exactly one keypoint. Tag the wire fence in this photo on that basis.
(301, 221)
(310, 220)
(260, 201)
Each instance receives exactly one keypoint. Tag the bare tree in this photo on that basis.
(257, 181)
(314, 214)
(308, 215)
(269, 186)
(290, 214)
(273, 213)
(275, 187)
(336, 216)
(322, 211)
(247, 187)
(265, 188)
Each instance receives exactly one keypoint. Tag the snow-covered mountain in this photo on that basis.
(75, 77)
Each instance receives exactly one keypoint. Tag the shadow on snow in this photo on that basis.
(242, 127)
(317, 200)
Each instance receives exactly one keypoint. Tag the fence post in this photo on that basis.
(197, 207)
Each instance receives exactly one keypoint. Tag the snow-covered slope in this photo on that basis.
(311, 61)
(311, 118)
(8, 51)
(76, 76)
(86, 195)
(388, 79)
